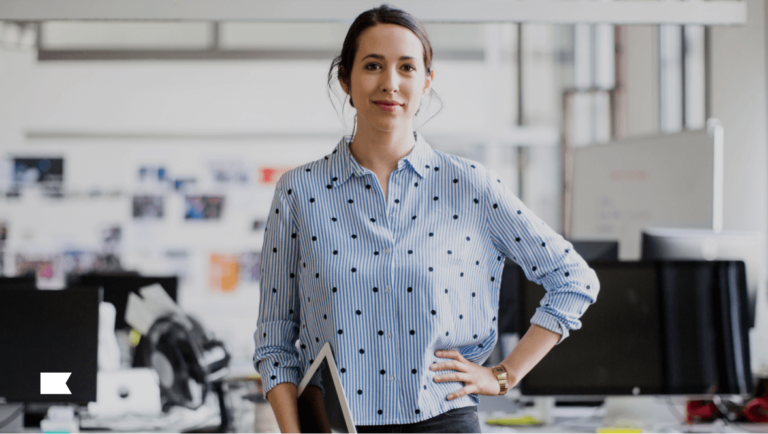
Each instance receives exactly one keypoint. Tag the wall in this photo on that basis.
(738, 99)
(108, 118)
(738, 86)
(220, 100)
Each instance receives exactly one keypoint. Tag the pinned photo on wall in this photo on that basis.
(78, 262)
(223, 272)
(203, 207)
(46, 268)
(250, 267)
(89, 261)
(45, 172)
(268, 175)
(153, 173)
(111, 239)
(183, 185)
(148, 207)
(229, 171)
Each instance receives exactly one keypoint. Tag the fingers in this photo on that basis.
(467, 373)
(451, 364)
(465, 378)
(459, 363)
(450, 354)
(463, 391)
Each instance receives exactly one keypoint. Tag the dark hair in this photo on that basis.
(384, 14)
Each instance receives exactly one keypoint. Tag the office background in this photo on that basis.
(187, 116)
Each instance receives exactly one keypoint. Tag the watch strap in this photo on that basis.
(500, 373)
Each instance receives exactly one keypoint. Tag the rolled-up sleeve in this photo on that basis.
(277, 328)
(545, 257)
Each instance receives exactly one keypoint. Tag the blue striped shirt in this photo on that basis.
(390, 280)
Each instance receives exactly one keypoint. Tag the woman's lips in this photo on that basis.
(387, 106)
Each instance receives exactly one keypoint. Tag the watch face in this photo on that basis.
(501, 376)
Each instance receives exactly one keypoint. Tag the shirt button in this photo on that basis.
(387, 289)
(387, 250)
(391, 378)
(381, 215)
(389, 334)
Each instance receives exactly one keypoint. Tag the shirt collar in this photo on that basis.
(344, 164)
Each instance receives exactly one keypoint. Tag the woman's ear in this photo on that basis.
(344, 83)
(345, 87)
(428, 81)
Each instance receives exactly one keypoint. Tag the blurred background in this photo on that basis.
(142, 142)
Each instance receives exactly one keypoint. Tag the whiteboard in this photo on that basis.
(668, 180)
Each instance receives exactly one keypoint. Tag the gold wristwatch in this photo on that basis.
(501, 374)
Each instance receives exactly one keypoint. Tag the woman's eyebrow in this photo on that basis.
(381, 57)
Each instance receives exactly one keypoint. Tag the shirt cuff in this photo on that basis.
(551, 323)
(271, 376)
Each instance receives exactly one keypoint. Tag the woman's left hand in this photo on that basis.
(477, 379)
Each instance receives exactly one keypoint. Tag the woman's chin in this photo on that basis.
(391, 124)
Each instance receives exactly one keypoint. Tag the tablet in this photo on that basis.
(336, 406)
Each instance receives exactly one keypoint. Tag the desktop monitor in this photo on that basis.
(513, 278)
(118, 286)
(596, 250)
(699, 244)
(26, 282)
(657, 328)
(48, 332)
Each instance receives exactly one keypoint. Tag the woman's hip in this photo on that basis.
(459, 420)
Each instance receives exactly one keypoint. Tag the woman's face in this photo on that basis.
(388, 77)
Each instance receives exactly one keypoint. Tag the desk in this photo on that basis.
(574, 419)
(566, 420)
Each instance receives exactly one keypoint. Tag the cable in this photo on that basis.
(10, 418)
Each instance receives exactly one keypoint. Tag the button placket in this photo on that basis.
(394, 187)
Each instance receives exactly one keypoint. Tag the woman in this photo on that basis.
(393, 253)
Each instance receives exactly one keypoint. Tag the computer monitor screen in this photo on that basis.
(513, 279)
(48, 332)
(117, 287)
(618, 347)
(656, 328)
(698, 244)
(596, 250)
(27, 282)
(706, 330)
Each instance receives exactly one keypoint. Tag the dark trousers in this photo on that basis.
(462, 420)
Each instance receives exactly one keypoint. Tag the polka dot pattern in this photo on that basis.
(386, 281)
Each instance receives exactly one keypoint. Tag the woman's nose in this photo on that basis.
(390, 81)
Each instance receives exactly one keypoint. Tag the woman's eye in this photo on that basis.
(372, 66)
(409, 68)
